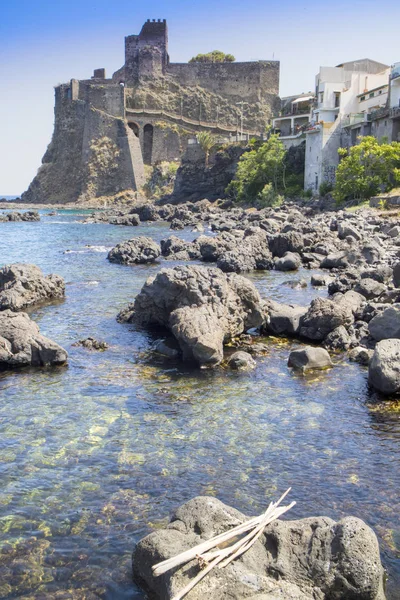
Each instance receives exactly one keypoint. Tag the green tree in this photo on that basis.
(258, 168)
(365, 170)
(216, 56)
(207, 142)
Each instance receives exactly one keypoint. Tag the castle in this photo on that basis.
(105, 130)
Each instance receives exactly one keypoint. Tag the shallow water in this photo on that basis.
(95, 455)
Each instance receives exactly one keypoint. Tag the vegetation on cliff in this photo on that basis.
(216, 56)
(267, 172)
(367, 169)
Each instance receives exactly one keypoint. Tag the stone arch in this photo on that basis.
(148, 131)
(135, 128)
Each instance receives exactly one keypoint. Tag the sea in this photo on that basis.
(97, 454)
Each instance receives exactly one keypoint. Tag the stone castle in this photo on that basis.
(105, 130)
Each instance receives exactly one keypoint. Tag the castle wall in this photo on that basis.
(248, 81)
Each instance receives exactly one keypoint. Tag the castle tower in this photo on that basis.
(146, 54)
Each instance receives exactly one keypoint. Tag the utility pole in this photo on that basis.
(241, 103)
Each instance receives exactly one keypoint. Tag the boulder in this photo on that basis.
(322, 317)
(127, 220)
(320, 280)
(236, 261)
(338, 339)
(396, 274)
(282, 319)
(384, 367)
(336, 260)
(202, 307)
(308, 358)
(140, 250)
(346, 230)
(292, 241)
(23, 285)
(241, 361)
(361, 355)
(307, 559)
(290, 261)
(370, 288)
(386, 324)
(21, 343)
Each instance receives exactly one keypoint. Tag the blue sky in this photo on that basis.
(44, 43)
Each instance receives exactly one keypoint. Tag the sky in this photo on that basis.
(47, 42)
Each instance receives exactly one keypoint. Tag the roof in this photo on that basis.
(302, 99)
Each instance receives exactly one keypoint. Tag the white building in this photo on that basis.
(345, 96)
(294, 119)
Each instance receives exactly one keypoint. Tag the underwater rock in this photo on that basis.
(305, 559)
(384, 367)
(21, 343)
(92, 344)
(309, 358)
(202, 307)
(140, 250)
(241, 361)
(23, 285)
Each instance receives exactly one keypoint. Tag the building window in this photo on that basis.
(321, 97)
(337, 99)
(362, 98)
(385, 123)
(371, 95)
(380, 91)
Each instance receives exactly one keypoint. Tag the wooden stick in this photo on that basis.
(202, 548)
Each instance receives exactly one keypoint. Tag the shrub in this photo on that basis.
(367, 169)
(216, 56)
(269, 197)
(325, 188)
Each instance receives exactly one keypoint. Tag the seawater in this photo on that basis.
(96, 455)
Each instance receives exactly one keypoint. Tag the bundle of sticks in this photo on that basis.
(209, 558)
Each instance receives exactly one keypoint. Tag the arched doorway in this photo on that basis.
(135, 128)
(147, 143)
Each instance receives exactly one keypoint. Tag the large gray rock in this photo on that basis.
(292, 241)
(322, 317)
(202, 307)
(282, 319)
(309, 559)
(23, 285)
(21, 343)
(140, 250)
(290, 261)
(309, 358)
(241, 361)
(386, 324)
(384, 367)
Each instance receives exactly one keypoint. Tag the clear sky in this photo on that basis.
(47, 42)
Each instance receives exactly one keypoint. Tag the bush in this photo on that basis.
(269, 197)
(256, 168)
(325, 188)
(367, 169)
(216, 56)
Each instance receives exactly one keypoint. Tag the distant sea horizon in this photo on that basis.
(9, 197)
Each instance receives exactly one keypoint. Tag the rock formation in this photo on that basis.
(24, 285)
(294, 560)
(202, 307)
(21, 343)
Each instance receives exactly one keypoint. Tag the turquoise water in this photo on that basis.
(95, 455)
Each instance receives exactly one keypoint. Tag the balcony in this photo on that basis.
(353, 119)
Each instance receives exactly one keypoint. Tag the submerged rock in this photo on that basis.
(201, 306)
(21, 343)
(140, 250)
(309, 358)
(241, 361)
(92, 344)
(23, 285)
(294, 560)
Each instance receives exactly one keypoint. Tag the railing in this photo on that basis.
(379, 113)
(193, 122)
(353, 119)
(395, 112)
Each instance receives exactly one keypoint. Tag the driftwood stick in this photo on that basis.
(188, 555)
(202, 548)
(259, 532)
(198, 578)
